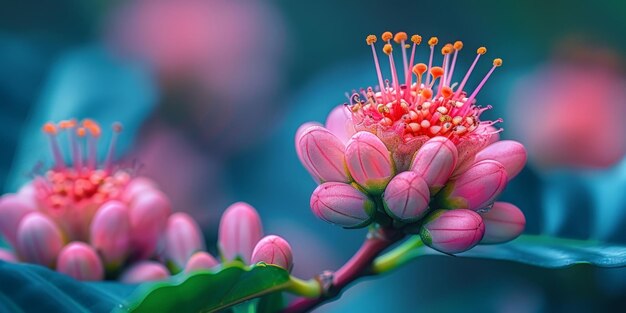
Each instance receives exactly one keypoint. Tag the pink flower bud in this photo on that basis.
(12, 209)
(299, 133)
(7, 256)
(80, 261)
(369, 162)
(342, 204)
(110, 233)
(511, 154)
(200, 261)
(183, 238)
(452, 231)
(406, 197)
(39, 240)
(323, 155)
(504, 222)
(478, 187)
(240, 229)
(339, 122)
(144, 271)
(137, 186)
(273, 250)
(148, 216)
(435, 161)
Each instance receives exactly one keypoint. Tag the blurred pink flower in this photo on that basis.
(576, 106)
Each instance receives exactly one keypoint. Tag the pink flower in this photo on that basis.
(410, 146)
(200, 261)
(112, 217)
(503, 222)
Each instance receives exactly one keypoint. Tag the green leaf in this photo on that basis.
(208, 291)
(547, 252)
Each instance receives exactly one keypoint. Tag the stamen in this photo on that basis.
(51, 130)
(458, 45)
(479, 52)
(371, 39)
(400, 38)
(431, 42)
(117, 129)
(416, 39)
(74, 147)
(394, 74)
(496, 63)
(92, 142)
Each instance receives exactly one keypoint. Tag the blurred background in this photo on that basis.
(211, 93)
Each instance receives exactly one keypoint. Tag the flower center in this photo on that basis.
(430, 106)
(82, 182)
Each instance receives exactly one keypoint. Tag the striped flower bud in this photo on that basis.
(39, 240)
(200, 261)
(239, 231)
(80, 261)
(477, 188)
(342, 204)
(183, 238)
(339, 122)
(452, 231)
(273, 250)
(323, 155)
(406, 197)
(144, 271)
(503, 222)
(435, 161)
(12, 209)
(511, 154)
(369, 162)
(110, 233)
(148, 214)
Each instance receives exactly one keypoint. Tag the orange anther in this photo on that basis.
(81, 132)
(427, 93)
(387, 49)
(67, 124)
(481, 50)
(436, 71)
(433, 41)
(497, 62)
(446, 92)
(447, 49)
(400, 37)
(458, 45)
(386, 36)
(370, 39)
(49, 128)
(420, 68)
(416, 39)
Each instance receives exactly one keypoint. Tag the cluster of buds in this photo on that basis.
(415, 155)
(94, 220)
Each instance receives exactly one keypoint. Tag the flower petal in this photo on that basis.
(200, 261)
(110, 233)
(273, 250)
(339, 122)
(148, 216)
(452, 231)
(183, 238)
(477, 188)
(80, 261)
(12, 209)
(143, 272)
(39, 240)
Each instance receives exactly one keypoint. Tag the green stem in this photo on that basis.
(306, 288)
(398, 256)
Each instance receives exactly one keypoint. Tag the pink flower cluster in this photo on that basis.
(415, 156)
(94, 221)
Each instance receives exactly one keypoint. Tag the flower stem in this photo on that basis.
(306, 288)
(359, 265)
(398, 256)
